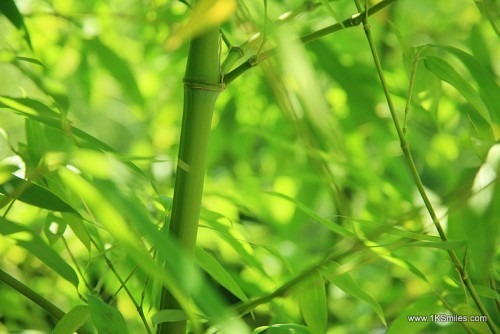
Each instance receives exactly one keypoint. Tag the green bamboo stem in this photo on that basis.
(202, 84)
(32, 295)
(418, 181)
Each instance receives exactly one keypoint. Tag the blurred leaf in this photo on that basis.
(9, 9)
(107, 319)
(447, 73)
(29, 240)
(205, 15)
(488, 88)
(215, 269)
(476, 326)
(73, 320)
(168, 316)
(27, 107)
(349, 286)
(118, 68)
(6, 172)
(288, 328)
(28, 192)
(486, 292)
(424, 306)
(337, 228)
(115, 209)
(313, 304)
(53, 228)
(78, 227)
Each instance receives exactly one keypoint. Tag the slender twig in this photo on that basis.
(416, 176)
(353, 21)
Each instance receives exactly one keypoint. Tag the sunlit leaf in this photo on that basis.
(27, 107)
(168, 316)
(78, 227)
(447, 73)
(106, 318)
(349, 285)
(33, 194)
(73, 320)
(425, 306)
(9, 9)
(29, 240)
(118, 68)
(279, 328)
(215, 269)
(312, 302)
(205, 14)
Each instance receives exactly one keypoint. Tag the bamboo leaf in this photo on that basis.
(78, 227)
(205, 14)
(33, 194)
(289, 328)
(27, 107)
(424, 306)
(329, 224)
(168, 316)
(73, 320)
(53, 228)
(213, 267)
(312, 303)
(29, 240)
(107, 319)
(118, 68)
(488, 88)
(447, 73)
(9, 9)
(349, 285)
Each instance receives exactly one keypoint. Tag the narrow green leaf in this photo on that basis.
(118, 68)
(53, 228)
(447, 73)
(425, 306)
(72, 321)
(312, 302)
(488, 88)
(78, 227)
(213, 267)
(327, 223)
(478, 325)
(9, 9)
(6, 172)
(33, 194)
(27, 107)
(168, 316)
(349, 286)
(486, 292)
(280, 328)
(106, 318)
(29, 240)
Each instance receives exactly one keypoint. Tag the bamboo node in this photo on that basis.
(203, 85)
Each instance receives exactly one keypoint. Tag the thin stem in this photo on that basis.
(418, 182)
(410, 89)
(35, 297)
(353, 21)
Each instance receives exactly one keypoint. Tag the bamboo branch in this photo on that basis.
(353, 21)
(416, 176)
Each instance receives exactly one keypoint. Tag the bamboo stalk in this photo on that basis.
(202, 84)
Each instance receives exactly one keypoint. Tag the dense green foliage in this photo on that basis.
(311, 218)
